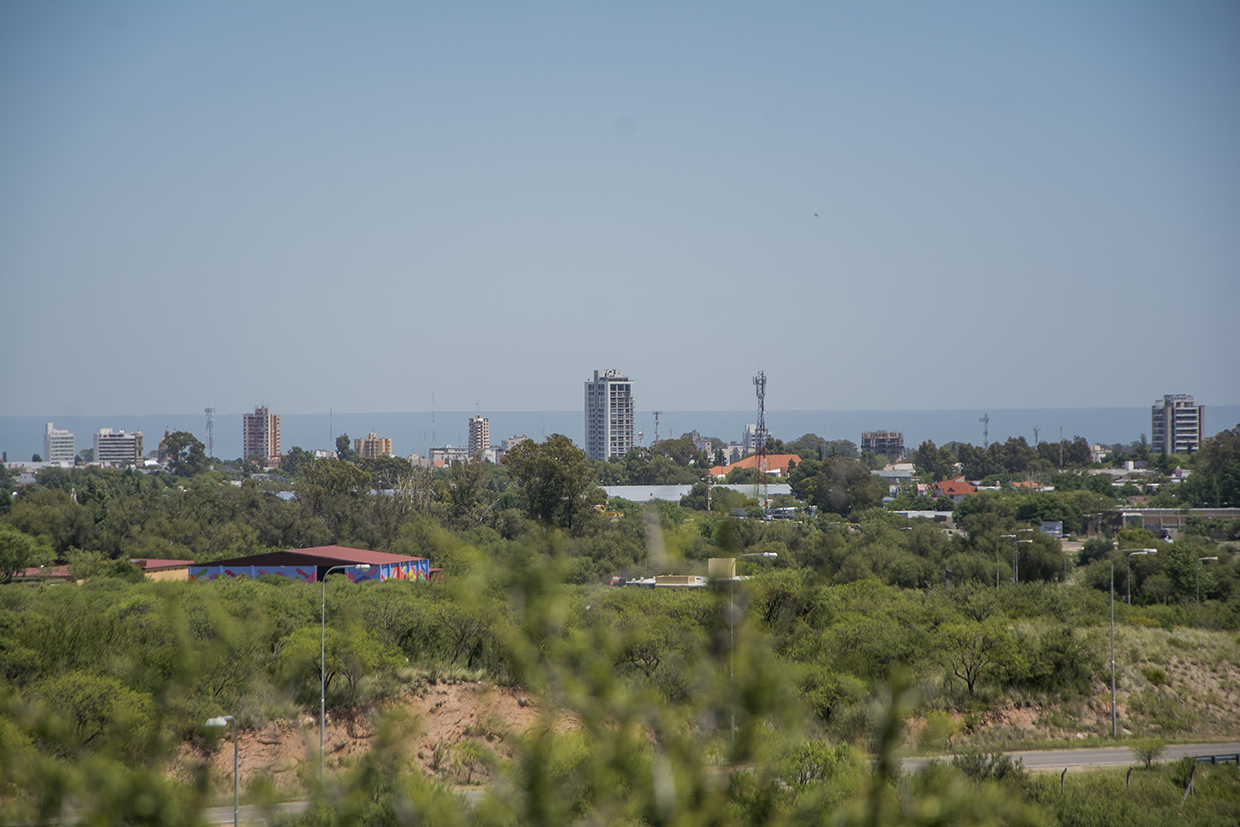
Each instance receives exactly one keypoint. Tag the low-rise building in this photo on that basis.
(955, 489)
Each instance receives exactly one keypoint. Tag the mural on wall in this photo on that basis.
(404, 570)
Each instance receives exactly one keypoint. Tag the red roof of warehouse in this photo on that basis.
(319, 555)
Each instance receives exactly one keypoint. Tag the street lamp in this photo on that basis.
(1199, 559)
(1015, 546)
(997, 544)
(1113, 729)
(223, 721)
(323, 667)
(770, 555)
(1138, 553)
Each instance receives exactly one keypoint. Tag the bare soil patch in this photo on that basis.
(455, 724)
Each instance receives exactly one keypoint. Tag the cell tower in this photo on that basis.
(759, 383)
(656, 427)
(985, 420)
(210, 412)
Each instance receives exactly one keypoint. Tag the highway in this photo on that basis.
(1058, 760)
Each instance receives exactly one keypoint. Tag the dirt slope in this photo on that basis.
(454, 722)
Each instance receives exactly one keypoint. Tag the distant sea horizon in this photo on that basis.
(419, 431)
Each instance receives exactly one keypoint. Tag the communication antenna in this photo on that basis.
(759, 383)
(210, 412)
(432, 419)
(1061, 446)
(1035, 435)
(985, 420)
(656, 427)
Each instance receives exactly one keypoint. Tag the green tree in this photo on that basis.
(975, 650)
(294, 460)
(935, 464)
(332, 490)
(186, 456)
(19, 551)
(556, 480)
(344, 449)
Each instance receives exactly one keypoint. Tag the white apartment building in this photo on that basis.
(115, 448)
(609, 415)
(59, 447)
(750, 439)
(512, 442)
(1177, 424)
(449, 454)
(479, 435)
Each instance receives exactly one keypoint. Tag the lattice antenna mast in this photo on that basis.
(657, 414)
(210, 412)
(985, 420)
(759, 383)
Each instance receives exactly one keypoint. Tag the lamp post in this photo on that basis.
(1198, 578)
(1113, 729)
(1138, 553)
(770, 555)
(223, 721)
(997, 544)
(323, 668)
(1015, 547)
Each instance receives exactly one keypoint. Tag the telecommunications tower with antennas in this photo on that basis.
(985, 420)
(759, 383)
(210, 412)
(657, 414)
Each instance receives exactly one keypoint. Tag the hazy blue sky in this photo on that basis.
(354, 206)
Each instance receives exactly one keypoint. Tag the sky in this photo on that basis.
(392, 206)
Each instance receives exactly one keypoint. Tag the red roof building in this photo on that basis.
(776, 464)
(313, 564)
(957, 489)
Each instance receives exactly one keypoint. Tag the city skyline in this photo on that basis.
(939, 206)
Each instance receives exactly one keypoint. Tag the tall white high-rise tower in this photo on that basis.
(609, 415)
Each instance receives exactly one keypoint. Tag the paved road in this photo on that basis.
(1038, 761)
(249, 814)
(1077, 759)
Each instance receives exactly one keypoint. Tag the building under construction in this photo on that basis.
(888, 443)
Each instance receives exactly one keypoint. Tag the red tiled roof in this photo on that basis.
(774, 463)
(955, 486)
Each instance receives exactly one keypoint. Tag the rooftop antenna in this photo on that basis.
(759, 383)
(210, 412)
(985, 420)
(657, 414)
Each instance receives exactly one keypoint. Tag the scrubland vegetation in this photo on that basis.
(760, 704)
